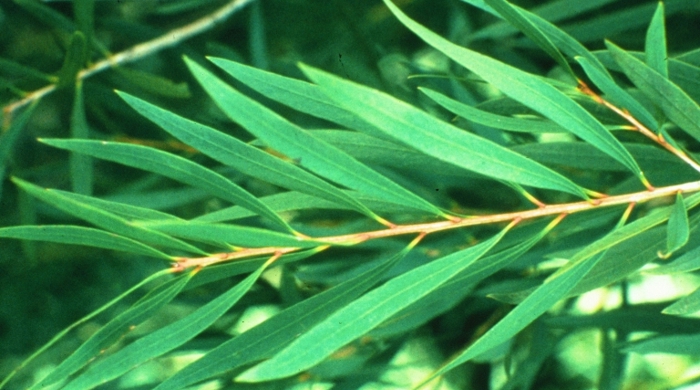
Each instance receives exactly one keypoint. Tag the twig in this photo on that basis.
(427, 228)
(638, 126)
(137, 52)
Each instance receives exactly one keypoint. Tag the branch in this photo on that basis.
(169, 39)
(427, 228)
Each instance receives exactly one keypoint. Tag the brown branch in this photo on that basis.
(169, 39)
(432, 227)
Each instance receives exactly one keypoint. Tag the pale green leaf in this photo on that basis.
(78, 235)
(438, 139)
(686, 344)
(296, 143)
(172, 166)
(162, 340)
(530, 91)
(674, 102)
(364, 314)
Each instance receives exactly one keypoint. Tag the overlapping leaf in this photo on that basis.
(298, 144)
(104, 219)
(440, 140)
(176, 167)
(364, 314)
(163, 340)
(530, 91)
(243, 157)
(266, 339)
(674, 102)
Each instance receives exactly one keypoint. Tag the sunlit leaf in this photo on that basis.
(422, 131)
(364, 314)
(296, 143)
(530, 91)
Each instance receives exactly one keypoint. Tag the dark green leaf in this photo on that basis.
(80, 166)
(74, 60)
(678, 229)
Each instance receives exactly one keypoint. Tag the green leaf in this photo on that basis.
(47, 15)
(296, 143)
(530, 91)
(104, 219)
(243, 157)
(78, 235)
(74, 60)
(80, 166)
(129, 212)
(676, 344)
(438, 139)
(9, 138)
(525, 25)
(536, 304)
(155, 84)
(268, 338)
(496, 121)
(230, 234)
(297, 94)
(164, 339)
(655, 46)
(171, 166)
(674, 102)
(84, 12)
(83, 320)
(689, 261)
(13, 68)
(617, 95)
(678, 230)
(115, 329)
(686, 305)
(364, 314)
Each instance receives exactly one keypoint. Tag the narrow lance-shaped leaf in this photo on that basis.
(296, 143)
(655, 45)
(530, 91)
(245, 158)
(297, 94)
(675, 103)
(231, 234)
(678, 230)
(80, 165)
(83, 320)
(115, 329)
(164, 339)
(78, 235)
(528, 28)
(104, 219)
(172, 166)
(616, 94)
(496, 121)
(271, 336)
(441, 140)
(365, 313)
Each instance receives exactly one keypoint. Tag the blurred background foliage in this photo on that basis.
(44, 287)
